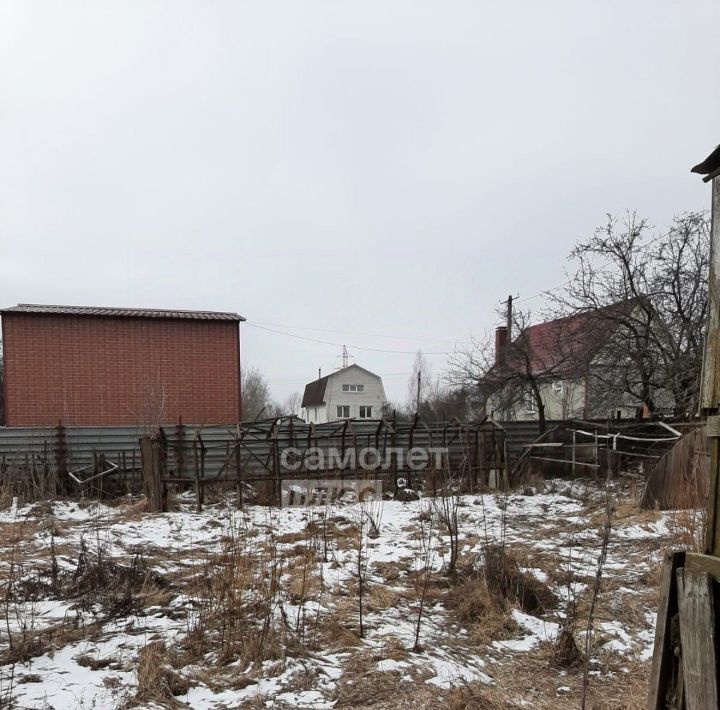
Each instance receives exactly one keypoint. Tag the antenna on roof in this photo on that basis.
(345, 357)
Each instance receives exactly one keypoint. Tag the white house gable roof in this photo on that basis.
(314, 394)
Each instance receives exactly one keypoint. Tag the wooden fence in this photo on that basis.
(281, 450)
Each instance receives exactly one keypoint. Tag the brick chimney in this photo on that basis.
(500, 344)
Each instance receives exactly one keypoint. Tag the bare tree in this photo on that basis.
(680, 297)
(446, 506)
(518, 376)
(419, 383)
(255, 393)
(424, 559)
(154, 400)
(289, 407)
(444, 402)
(292, 404)
(648, 297)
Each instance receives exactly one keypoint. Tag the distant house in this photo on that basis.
(569, 362)
(90, 366)
(350, 393)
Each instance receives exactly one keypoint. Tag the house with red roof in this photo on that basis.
(563, 368)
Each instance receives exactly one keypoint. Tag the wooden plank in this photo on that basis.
(697, 637)
(712, 528)
(676, 697)
(664, 653)
(710, 388)
(695, 562)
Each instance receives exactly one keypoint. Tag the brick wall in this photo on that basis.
(86, 370)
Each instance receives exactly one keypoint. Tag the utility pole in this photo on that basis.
(509, 317)
(684, 667)
(417, 403)
(710, 392)
(508, 326)
(345, 357)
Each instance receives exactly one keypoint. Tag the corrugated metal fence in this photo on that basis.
(250, 449)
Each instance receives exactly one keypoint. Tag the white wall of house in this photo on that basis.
(351, 393)
(563, 399)
(315, 415)
(343, 391)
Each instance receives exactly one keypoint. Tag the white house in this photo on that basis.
(350, 393)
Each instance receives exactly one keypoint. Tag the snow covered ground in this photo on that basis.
(107, 606)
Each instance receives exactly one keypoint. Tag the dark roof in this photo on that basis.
(710, 167)
(315, 392)
(37, 309)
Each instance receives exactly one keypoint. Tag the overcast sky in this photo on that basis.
(339, 170)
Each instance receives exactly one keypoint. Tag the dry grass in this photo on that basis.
(506, 581)
(241, 603)
(565, 652)
(474, 607)
(156, 679)
(476, 696)
(361, 685)
(688, 528)
(379, 598)
(335, 634)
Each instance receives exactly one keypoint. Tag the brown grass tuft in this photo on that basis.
(474, 696)
(565, 652)
(156, 678)
(506, 581)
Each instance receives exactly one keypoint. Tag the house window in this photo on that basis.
(365, 412)
(353, 388)
(530, 403)
(343, 411)
(557, 387)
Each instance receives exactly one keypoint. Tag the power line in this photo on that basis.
(544, 292)
(350, 332)
(339, 345)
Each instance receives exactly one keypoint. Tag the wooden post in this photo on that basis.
(595, 451)
(710, 390)
(276, 465)
(697, 638)
(664, 656)
(160, 469)
(238, 474)
(687, 598)
(393, 453)
(152, 477)
(712, 526)
(196, 474)
(203, 452)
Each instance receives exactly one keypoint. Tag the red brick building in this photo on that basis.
(119, 366)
